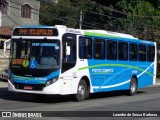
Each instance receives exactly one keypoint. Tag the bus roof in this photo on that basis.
(94, 33)
(100, 33)
(108, 34)
(34, 26)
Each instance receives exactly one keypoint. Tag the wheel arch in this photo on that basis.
(86, 79)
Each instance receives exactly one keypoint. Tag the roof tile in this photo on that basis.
(5, 31)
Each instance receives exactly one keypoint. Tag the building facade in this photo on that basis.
(19, 12)
(14, 13)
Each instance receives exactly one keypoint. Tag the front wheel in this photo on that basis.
(81, 91)
(133, 87)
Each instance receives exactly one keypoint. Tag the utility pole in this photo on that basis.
(81, 20)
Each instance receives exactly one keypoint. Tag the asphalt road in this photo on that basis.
(147, 99)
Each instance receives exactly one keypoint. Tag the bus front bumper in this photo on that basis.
(51, 89)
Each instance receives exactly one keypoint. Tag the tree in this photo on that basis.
(62, 12)
(141, 18)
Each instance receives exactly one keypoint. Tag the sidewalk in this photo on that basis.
(3, 83)
(158, 81)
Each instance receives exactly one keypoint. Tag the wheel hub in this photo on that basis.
(133, 87)
(81, 90)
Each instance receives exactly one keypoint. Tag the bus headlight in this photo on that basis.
(51, 81)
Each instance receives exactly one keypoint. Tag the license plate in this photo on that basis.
(28, 87)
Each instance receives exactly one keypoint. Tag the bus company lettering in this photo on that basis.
(102, 70)
(73, 31)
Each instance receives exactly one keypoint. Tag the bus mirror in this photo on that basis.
(68, 50)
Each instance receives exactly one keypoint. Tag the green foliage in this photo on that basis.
(65, 12)
(142, 21)
(140, 18)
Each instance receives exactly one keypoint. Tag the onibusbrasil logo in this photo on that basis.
(25, 63)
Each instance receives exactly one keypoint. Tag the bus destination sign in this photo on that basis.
(35, 32)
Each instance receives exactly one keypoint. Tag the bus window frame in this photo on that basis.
(139, 52)
(88, 57)
(132, 43)
(104, 48)
(107, 52)
(152, 60)
(122, 54)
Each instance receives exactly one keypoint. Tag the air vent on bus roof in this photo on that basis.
(60, 26)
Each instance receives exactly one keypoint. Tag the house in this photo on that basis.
(15, 13)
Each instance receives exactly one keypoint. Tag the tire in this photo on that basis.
(133, 87)
(82, 91)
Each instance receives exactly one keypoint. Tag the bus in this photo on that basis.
(56, 60)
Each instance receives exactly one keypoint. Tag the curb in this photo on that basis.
(158, 83)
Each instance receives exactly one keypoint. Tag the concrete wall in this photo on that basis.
(13, 18)
(4, 62)
(0, 19)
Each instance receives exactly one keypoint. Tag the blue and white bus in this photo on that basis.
(57, 60)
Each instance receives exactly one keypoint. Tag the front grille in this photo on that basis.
(38, 87)
(34, 72)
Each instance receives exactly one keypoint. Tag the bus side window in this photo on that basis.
(142, 53)
(122, 51)
(111, 50)
(150, 53)
(132, 52)
(99, 49)
(85, 48)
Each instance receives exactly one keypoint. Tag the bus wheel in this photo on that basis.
(81, 91)
(133, 87)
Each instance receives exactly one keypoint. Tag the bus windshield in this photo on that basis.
(35, 54)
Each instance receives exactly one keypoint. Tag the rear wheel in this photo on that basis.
(133, 87)
(82, 91)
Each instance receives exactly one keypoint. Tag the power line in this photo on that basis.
(18, 3)
(97, 23)
(64, 19)
(53, 14)
(21, 9)
(104, 15)
(111, 9)
(9, 17)
(120, 12)
(107, 8)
